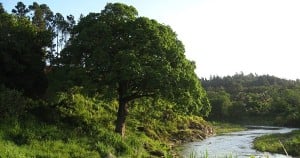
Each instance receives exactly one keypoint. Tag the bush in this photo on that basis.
(115, 140)
(12, 103)
(85, 112)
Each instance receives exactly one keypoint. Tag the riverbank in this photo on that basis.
(219, 128)
(235, 144)
(224, 127)
(278, 143)
(34, 138)
(72, 124)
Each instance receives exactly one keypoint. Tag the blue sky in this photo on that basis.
(153, 9)
(224, 37)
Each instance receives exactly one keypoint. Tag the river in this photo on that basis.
(237, 144)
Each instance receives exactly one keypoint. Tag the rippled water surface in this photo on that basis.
(237, 144)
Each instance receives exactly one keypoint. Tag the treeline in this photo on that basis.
(254, 98)
(31, 37)
(68, 88)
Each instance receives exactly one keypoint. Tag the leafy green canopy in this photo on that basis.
(252, 97)
(22, 55)
(134, 57)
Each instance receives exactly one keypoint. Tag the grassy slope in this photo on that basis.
(86, 129)
(271, 143)
(33, 138)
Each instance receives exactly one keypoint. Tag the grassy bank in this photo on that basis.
(33, 138)
(271, 143)
(75, 125)
(223, 127)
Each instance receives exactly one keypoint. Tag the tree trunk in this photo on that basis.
(121, 117)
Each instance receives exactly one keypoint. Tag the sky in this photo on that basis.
(223, 37)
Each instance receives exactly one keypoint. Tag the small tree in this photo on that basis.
(134, 57)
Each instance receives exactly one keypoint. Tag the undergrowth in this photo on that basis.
(277, 143)
(77, 125)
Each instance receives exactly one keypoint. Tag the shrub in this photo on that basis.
(85, 112)
(12, 103)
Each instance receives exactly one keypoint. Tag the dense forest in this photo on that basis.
(69, 88)
(254, 99)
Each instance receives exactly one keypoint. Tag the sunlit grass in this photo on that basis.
(272, 143)
(222, 128)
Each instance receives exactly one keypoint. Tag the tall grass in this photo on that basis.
(207, 155)
(77, 125)
(280, 143)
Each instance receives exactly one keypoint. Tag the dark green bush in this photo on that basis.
(12, 103)
(22, 137)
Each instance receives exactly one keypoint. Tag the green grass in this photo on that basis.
(31, 137)
(40, 140)
(271, 143)
(222, 127)
(75, 125)
(35, 139)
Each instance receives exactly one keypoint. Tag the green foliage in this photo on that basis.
(21, 9)
(163, 122)
(236, 111)
(111, 143)
(133, 57)
(271, 143)
(122, 53)
(220, 103)
(22, 55)
(256, 98)
(31, 138)
(222, 127)
(12, 103)
(83, 111)
(113, 58)
(1, 9)
(46, 149)
(35, 139)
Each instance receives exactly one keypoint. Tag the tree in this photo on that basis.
(220, 103)
(21, 9)
(44, 19)
(42, 16)
(62, 28)
(1, 9)
(286, 103)
(71, 22)
(22, 55)
(134, 57)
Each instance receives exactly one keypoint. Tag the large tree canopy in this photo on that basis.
(134, 57)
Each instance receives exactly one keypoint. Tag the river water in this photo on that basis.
(237, 144)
